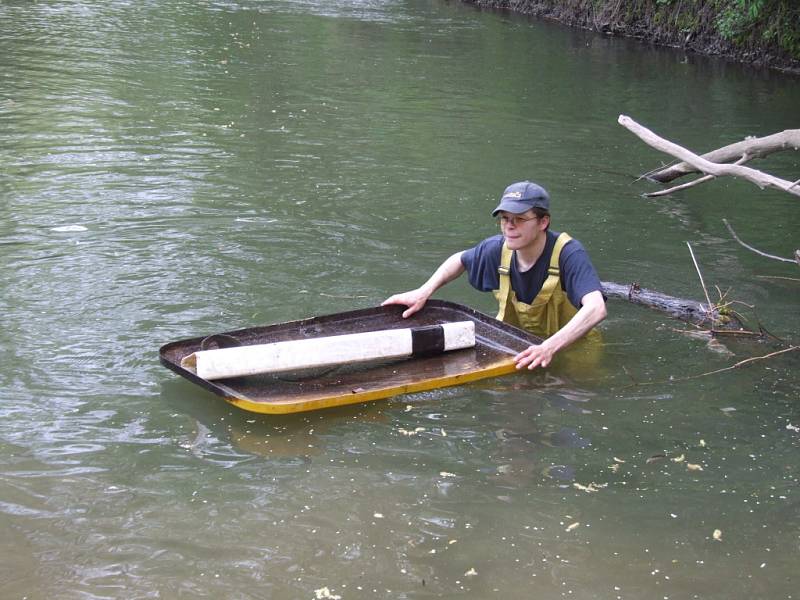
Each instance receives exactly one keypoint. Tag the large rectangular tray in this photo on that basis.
(496, 343)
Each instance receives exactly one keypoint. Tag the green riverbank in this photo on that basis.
(762, 33)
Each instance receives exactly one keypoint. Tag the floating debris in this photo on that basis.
(716, 346)
(694, 467)
(572, 526)
(717, 535)
(592, 487)
(447, 474)
(378, 515)
(471, 573)
(325, 593)
(656, 458)
(68, 228)
(679, 459)
(407, 432)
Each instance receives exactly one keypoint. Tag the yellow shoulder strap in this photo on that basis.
(553, 274)
(504, 270)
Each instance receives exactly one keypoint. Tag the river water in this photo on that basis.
(172, 169)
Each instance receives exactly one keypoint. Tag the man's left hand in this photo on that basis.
(538, 355)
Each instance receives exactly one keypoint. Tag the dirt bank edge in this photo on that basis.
(689, 25)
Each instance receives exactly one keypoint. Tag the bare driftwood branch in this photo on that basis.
(755, 176)
(736, 237)
(693, 183)
(747, 149)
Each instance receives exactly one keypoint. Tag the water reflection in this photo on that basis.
(218, 428)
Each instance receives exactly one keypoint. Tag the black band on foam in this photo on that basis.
(427, 341)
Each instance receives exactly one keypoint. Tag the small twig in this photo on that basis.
(741, 363)
(736, 237)
(734, 333)
(703, 283)
(750, 306)
(341, 297)
(625, 370)
(656, 170)
(764, 329)
(777, 277)
(680, 187)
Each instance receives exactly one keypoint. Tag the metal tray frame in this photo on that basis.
(492, 356)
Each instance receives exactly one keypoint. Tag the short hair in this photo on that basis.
(542, 212)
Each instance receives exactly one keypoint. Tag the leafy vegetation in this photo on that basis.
(774, 22)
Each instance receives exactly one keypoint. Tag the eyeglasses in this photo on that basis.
(514, 221)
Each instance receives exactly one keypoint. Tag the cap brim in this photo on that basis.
(513, 207)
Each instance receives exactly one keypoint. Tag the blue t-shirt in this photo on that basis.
(577, 274)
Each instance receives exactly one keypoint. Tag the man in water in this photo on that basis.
(544, 282)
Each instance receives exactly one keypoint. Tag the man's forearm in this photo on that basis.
(449, 270)
(590, 314)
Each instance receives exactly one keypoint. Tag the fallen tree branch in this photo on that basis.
(736, 237)
(750, 147)
(755, 176)
(689, 311)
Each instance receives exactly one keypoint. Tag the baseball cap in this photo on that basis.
(522, 196)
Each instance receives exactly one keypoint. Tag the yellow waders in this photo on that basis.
(551, 308)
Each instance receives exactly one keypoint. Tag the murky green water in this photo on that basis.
(177, 168)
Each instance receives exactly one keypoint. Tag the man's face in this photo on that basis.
(523, 229)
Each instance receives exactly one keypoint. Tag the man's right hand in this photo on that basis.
(414, 300)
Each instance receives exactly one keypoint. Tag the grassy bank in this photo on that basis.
(759, 32)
